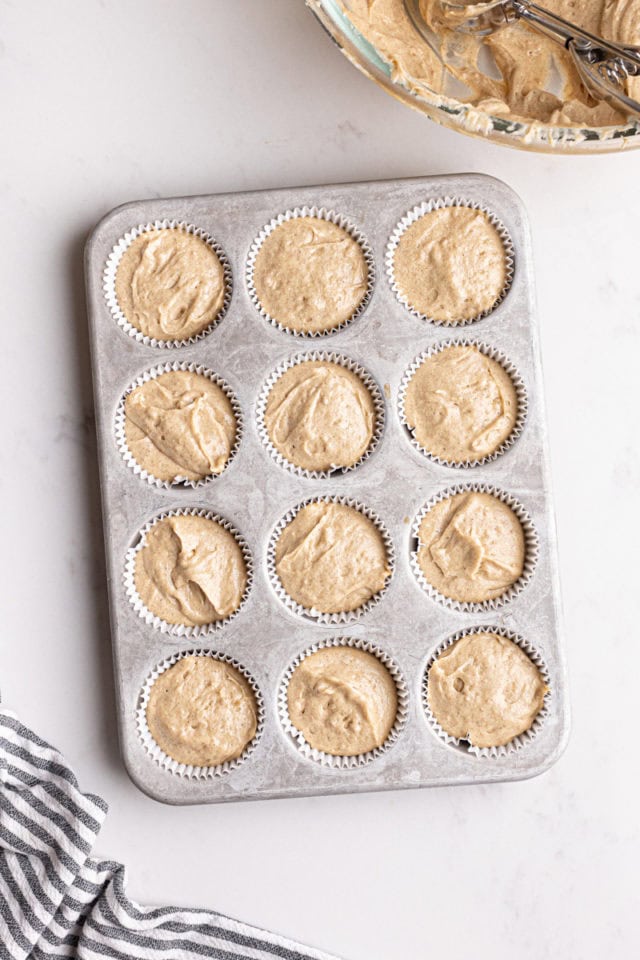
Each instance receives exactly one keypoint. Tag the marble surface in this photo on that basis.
(107, 102)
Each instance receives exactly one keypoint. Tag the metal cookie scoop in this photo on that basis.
(603, 66)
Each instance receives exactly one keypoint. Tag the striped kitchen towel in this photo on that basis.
(57, 901)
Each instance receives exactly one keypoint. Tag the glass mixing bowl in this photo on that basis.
(527, 135)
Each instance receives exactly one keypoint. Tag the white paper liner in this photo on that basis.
(111, 268)
(323, 214)
(517, 743)
(152, 374)
(437, 204)
(510, 369)
(530, 549)
(316, 615)
(348, 364)
(360, 759)
(182, 630)
(189, 771)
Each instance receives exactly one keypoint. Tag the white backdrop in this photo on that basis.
(104, 102)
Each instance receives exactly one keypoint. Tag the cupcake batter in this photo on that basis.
(343, 701)
(460, 404)
(179, 426)
(170, 284)
(320, 416)
(527, 62)
(310, 275)
(450, 265)
(331, 558)
(190, 571)
(471, 547)
(202, 712)
(485, 689)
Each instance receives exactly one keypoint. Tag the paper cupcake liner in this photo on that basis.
(353, 367)
(316, 615)
(111, 268)
(530, 549)
(323, 214)
(361, 759)
(120, 418)
(416, 214)
(182, 630)
(189, 771)
(510, 369)
(517, 743)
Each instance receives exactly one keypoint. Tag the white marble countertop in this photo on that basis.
(108, 102)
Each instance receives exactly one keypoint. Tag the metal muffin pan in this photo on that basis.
(255, 491)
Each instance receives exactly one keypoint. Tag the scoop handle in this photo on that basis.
(604, 78)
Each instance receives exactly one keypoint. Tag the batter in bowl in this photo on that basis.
(517, 73)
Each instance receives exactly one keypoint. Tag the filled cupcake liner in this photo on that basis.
(323, 214)
(357, 760)
(111, 269)
(326, 357)
(517, 743)
(120, 420)
(510, 369)
(419, 211)
(530, 549)
(316, 615)
(189, 771)
(183, 630)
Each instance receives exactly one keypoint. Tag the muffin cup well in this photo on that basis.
(320, 213)
(419, 211)
(517, 743)
(189, 771)
(340, 360)
(317, 616)
(488, 351)
(152, 374)
(530, 549)
(358, 760)
(111, 269)
(182, 630)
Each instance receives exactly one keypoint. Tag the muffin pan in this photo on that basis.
(255, 491)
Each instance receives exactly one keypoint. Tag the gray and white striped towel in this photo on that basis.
(57, 901)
